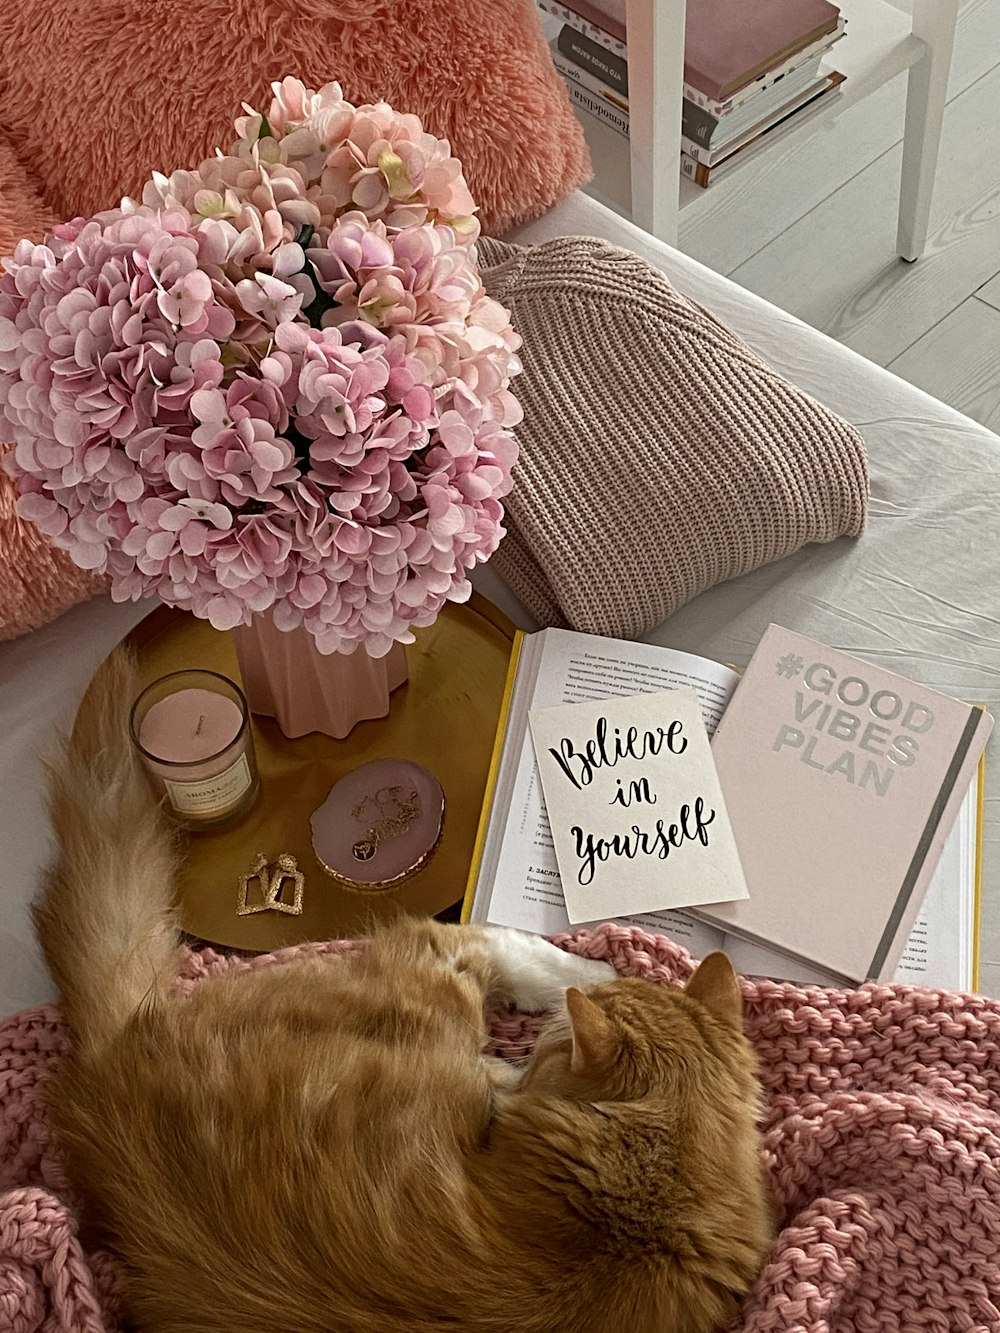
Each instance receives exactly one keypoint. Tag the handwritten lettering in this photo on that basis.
(604, 751)
(638, 794)
(692, 826)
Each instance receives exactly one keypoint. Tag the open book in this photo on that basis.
(514, 878)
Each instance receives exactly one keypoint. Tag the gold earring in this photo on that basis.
(272, 883)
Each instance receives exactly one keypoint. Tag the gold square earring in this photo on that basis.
(272, 883)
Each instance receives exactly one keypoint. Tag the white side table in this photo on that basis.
(882, 41)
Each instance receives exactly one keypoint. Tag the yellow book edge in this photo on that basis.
(491, 778)
(978, 871)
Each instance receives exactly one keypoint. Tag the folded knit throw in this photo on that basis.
(659, 454)
(882, 1142)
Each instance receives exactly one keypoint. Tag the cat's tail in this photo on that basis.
(104, 918)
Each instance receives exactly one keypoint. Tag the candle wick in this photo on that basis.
(197, 730)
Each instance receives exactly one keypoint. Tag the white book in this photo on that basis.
(732, 143)
(574, 73)
(599, 106)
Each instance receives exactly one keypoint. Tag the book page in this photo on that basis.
(527, 891)
(939, 950)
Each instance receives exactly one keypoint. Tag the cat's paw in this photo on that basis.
(588, 971)
(534, 974)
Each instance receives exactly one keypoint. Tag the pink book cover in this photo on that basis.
(842, 781)
(727, 43)
(725, 46)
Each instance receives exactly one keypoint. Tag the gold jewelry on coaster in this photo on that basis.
(377, 886)
(388, 813)
(272, 883)
(378, 826)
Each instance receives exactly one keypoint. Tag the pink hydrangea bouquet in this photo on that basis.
(276, 384)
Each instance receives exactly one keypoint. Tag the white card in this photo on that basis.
(635, 806)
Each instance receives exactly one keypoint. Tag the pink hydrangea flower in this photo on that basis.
(276, 384)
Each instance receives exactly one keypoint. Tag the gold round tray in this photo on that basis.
(444, 718)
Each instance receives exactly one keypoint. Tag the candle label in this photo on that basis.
(211, 796)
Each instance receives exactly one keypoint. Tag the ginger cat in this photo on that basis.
(323, 1147)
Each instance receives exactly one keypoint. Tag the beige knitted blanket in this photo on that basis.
(659, 454)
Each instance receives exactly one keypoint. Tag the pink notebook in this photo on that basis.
(842, 782)
(728, 43)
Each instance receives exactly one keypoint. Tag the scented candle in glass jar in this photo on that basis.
(192, 730)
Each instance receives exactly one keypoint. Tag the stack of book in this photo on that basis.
(741, 79)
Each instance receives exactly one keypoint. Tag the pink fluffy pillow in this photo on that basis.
(37, 582)
(98, 92)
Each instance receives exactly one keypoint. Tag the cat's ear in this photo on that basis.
(714, 984)
(594, 1041)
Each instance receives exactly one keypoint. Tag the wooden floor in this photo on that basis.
(816, 232)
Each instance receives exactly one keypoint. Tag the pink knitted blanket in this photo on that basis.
(882, 1140)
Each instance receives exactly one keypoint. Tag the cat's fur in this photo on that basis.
(322, 1147)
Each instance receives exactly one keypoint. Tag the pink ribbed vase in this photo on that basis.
(286, 677)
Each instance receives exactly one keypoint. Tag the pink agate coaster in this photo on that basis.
(379, 824)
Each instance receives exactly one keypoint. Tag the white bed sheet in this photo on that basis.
(918, 592)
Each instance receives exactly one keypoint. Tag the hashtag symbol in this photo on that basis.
(790, 665)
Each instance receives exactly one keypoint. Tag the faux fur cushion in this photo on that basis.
(98, 92)
(23, 212)
(659, 454)
(37, 582)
